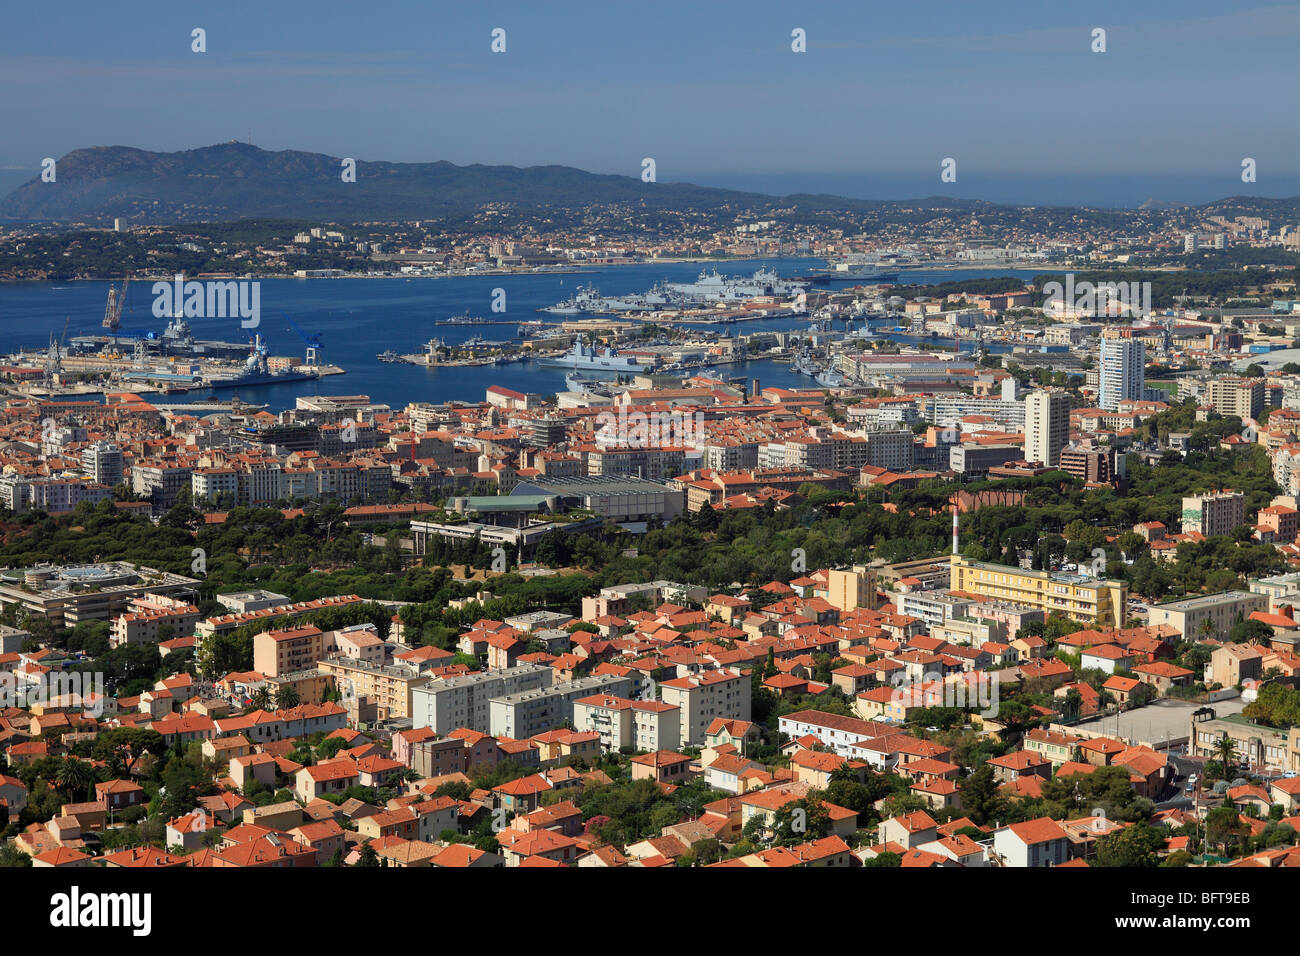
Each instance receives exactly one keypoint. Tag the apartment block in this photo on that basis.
(892, 449)
(704, 697)
(1264, 749)
(1047, 426)
(102, 461)
(848, 589)
(646, 725)
(1089, 600)
(290, 649)
(455, 702)
(1122, 370)
(1089, 464)
(976, 459)
(139, 624)
(1215, 513)
(1208, 615)
(531, 712)
(386, 690)
(1240, 397)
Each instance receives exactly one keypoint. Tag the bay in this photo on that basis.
(357, 319)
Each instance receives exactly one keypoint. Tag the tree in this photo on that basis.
(980, 798)
(1245, 631)
(707, 851)
(884, 859)
(1226, 751)
(1142, 695)
(10, 855)
(1132, 846)
(75, 777)
(123, 747)
(1224, 828)
(261, 698)
(286, 697)
(368, 857)
(184, 780)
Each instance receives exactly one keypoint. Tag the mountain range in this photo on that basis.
(232, 181)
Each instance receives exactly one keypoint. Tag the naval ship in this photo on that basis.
(715, 287)
(830, 378)
(588, 301)
(852, 270)
(177, 339)
(256, 371)
(587, 358)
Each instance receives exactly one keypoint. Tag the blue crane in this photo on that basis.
(312, 341)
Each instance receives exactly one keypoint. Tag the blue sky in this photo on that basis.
(710, 89)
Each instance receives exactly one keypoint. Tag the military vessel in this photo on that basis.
(829, 378)
(715, 287)
(588, 301)
(853, 270)
(803, 364)
(177, 339)
(464, 319)
(587, 358)
(256, 371)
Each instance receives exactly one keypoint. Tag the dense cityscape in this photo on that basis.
(369, 501)
(937, 608)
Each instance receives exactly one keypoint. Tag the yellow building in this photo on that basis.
(288, 650)
(388, 688)
(310, 685)
(851, 589)
(1088, 600)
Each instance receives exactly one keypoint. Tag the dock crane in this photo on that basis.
(116, 300)
(54, 355)
(313, 342)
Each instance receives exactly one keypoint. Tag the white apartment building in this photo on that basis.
(947, 410)
(703, 697)
(1047, 426)
(933, 607)
(836, 731)
(207, 483)
(531, 712)
(445, 705)
(646, 725)
(1122, 375)
(1214, 513)
(102, 462)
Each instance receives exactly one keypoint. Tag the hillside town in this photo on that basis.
(962, 609)
(498, 240)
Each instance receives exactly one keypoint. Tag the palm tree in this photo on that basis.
(261, 698)
(287, 697)
(1226, 750)
(844, 772)
(75, 776)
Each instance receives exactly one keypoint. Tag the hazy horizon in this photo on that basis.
(1182, 94)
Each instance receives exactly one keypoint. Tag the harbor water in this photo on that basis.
(357, 319)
